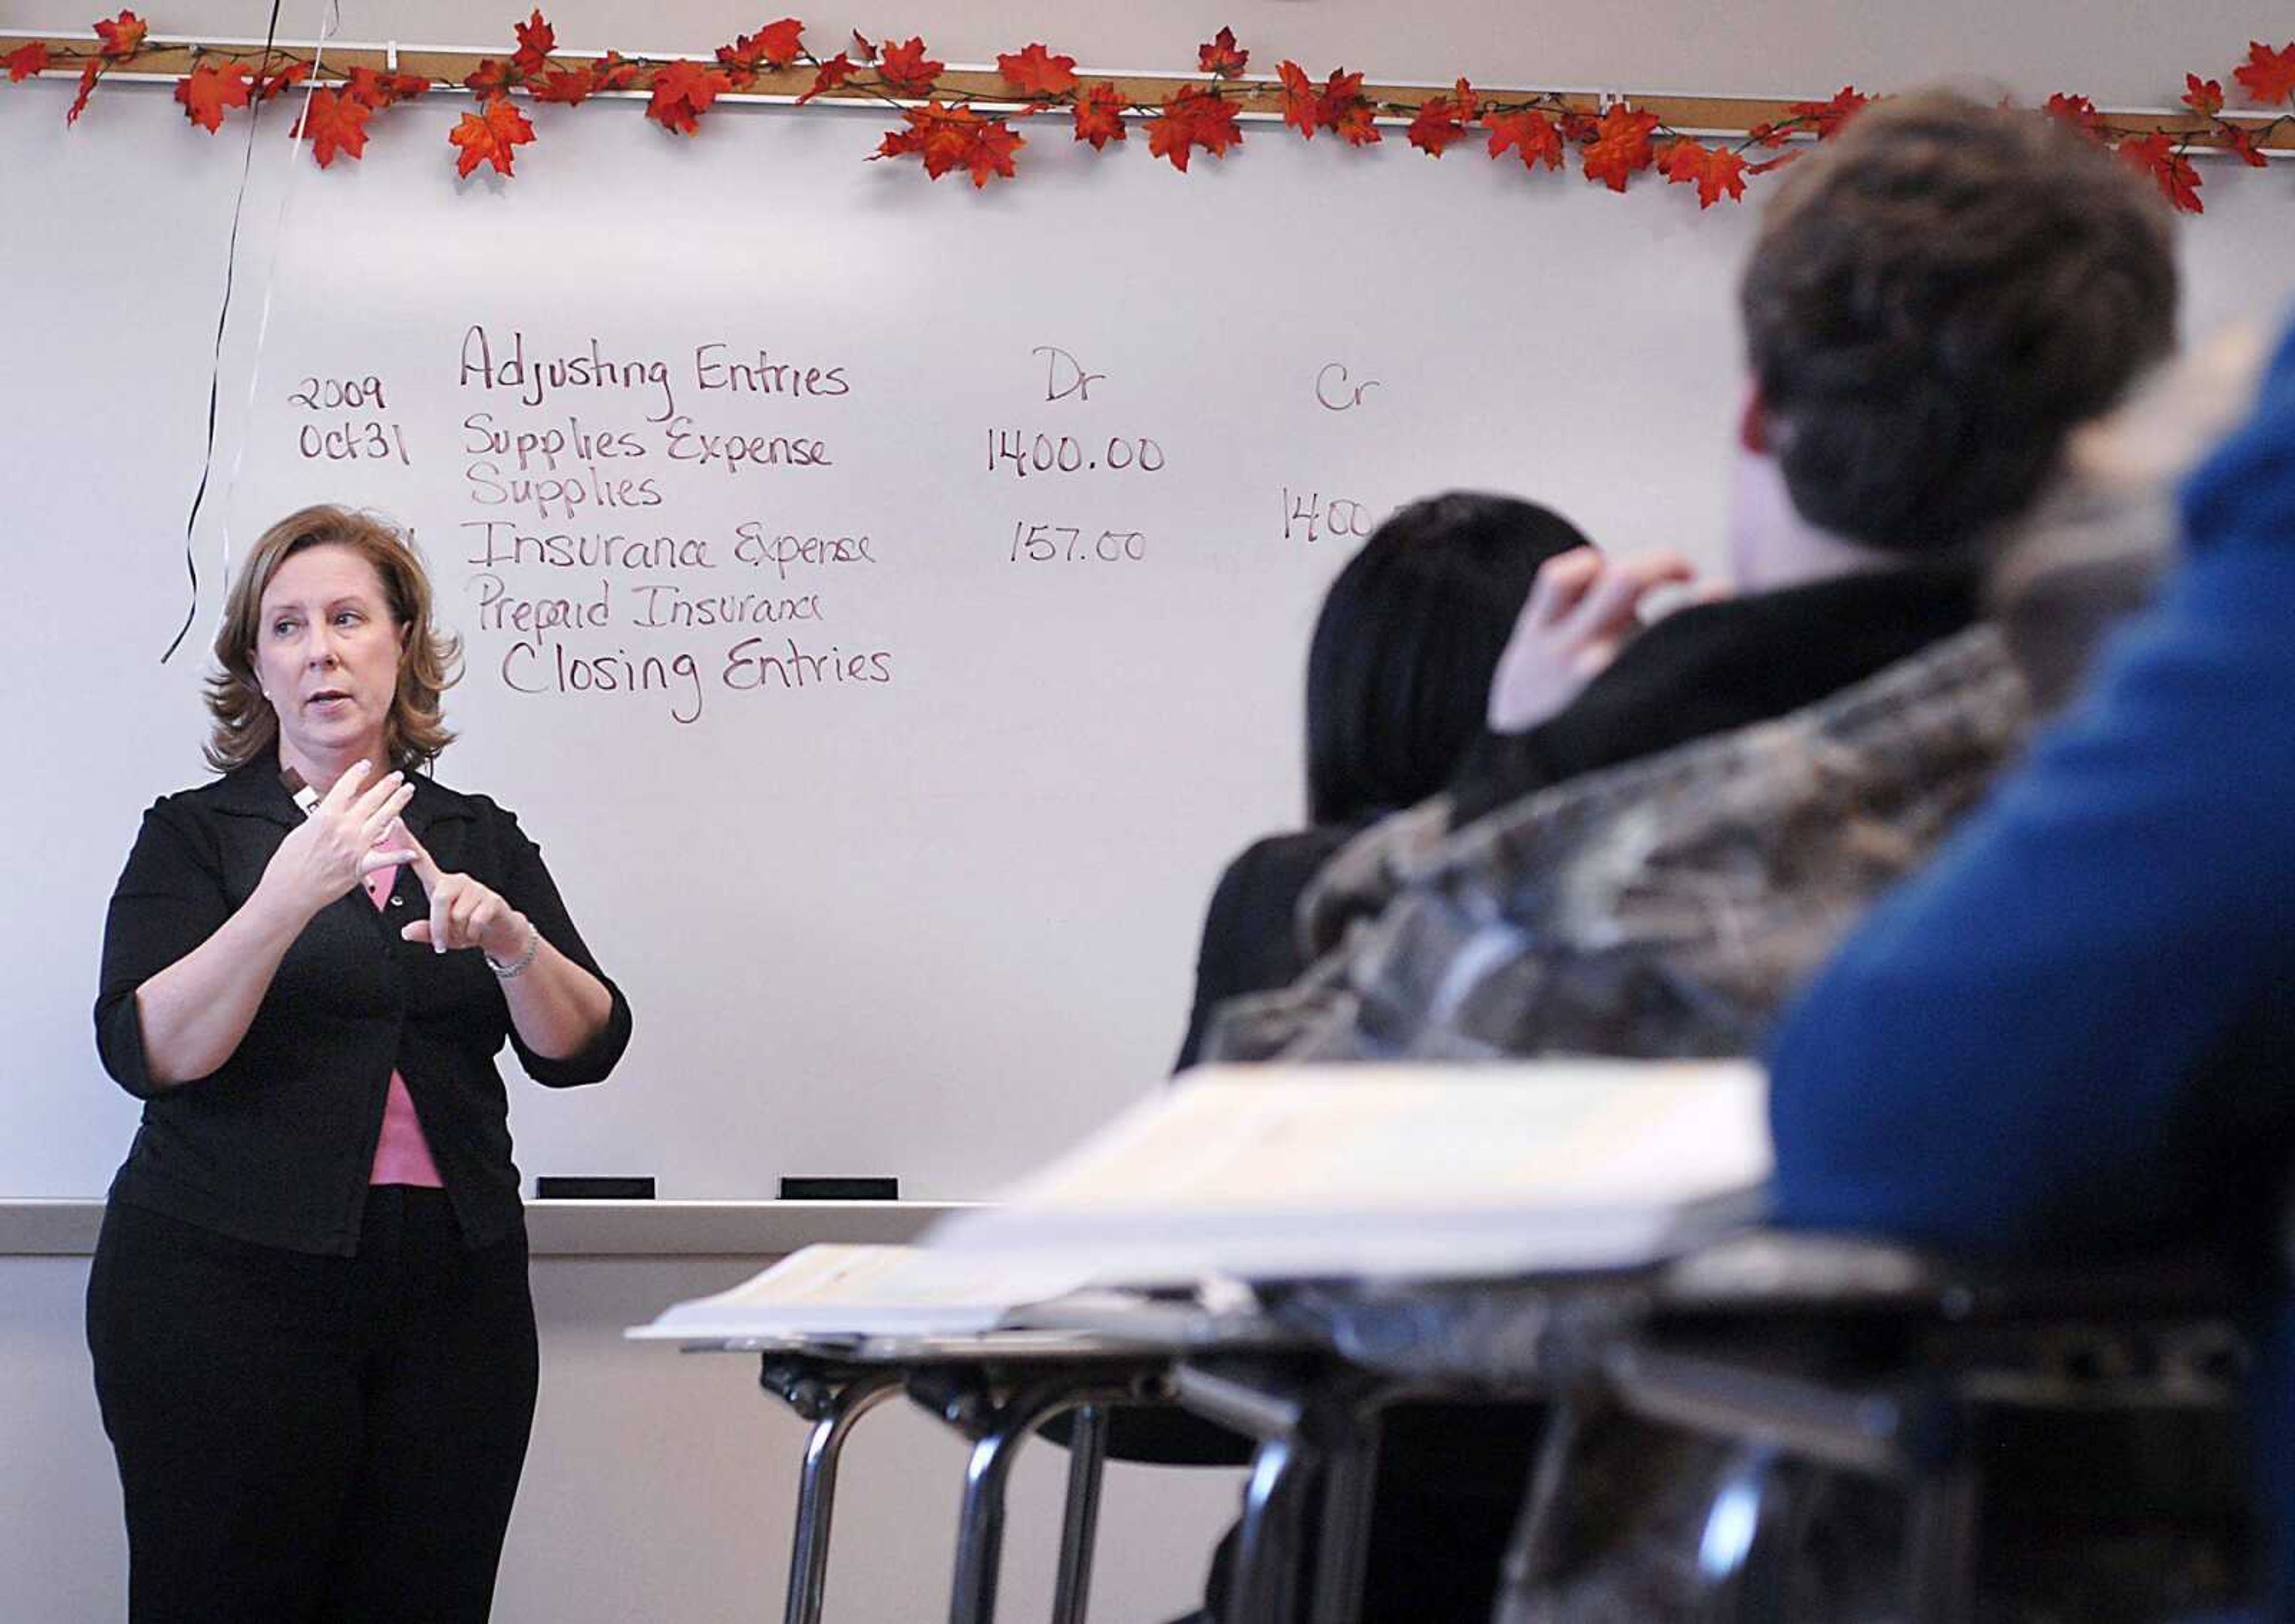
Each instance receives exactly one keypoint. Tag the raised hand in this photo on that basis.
(1582, 608)
(334, 849)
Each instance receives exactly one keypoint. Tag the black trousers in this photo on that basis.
(306, 1438)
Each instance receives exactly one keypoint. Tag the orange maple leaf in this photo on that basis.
(1035, 71)
(2242, 143)
(491, 79)
(2156, 155)
(681, 93)
(1301, 102)
(568, 86)
(1442, 120)
(1100, 115)
(1193, 117)
(2267, 76)
(1621, 146)
(535, 41)
(777, 45)
(2076, 111)
(26, 60)
(907, 71)
(335, 124)
(833, 72)
(491, 136)
(1220, 58)
(1716, 174)
(1778, 162)
(1826, 117)
(122, 36)
(614, 71)
(208, 91)
(2203, 96)
(1532, 135)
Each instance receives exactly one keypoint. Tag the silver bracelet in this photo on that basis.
(509, 972)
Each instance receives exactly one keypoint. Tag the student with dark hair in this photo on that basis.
(1676, 823)
(1397, 676)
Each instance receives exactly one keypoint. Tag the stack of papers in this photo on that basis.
(1387, 1173)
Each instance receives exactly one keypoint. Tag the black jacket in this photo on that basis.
(276, 1146)
(1715, 668)
(1251, 931)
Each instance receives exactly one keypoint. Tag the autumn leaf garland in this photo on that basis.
(945, 128)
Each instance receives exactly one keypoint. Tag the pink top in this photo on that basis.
(402, 1155)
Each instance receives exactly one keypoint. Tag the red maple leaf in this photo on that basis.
(907, 71)
(2241, 142)
(88, 74)
(26, 60)
(1220, 58)
(122, 36)
(1621, 146)
(287, 76)
(1826, 117)
(1443, 119)
(953, 138)
(537, 39)
(290, 74)
(1191, 118)
(833, 72)
(864, 49)
(1532, 135)
(777, 45)
(2267, 76)
(614, 71)
(1778, 162)
(380, 90)
(1035, 71)
(568, 86)
(1100, 115)
(491, 136)
(1765, 135)
(2203, 96)
(491, 79)
(334, 123)
(2155, 155)
(681, 93)
(1301, 101)
(1716, 174)
(2076, 111)
(208, 91)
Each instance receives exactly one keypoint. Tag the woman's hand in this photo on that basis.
(464, 912)
(335, 848)
(1582, 608)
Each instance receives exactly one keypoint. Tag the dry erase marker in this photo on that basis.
(303, 794)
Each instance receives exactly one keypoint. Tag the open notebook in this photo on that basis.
(1395, 1173)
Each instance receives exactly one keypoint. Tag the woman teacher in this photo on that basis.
(313, 1334)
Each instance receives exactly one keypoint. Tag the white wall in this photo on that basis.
(660, 1486)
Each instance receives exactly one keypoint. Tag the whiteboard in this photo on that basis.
(898, 838)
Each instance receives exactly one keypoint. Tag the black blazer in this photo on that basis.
(276, 1146)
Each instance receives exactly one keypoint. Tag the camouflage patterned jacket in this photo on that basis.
(1663, 908)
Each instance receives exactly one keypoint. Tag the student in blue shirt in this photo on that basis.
(2075, 1033)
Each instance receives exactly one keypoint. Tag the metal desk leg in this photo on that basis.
(1941, 1557)
(1268, 1551)
(1080, 1524)
(980, 1526)
(1349, 1476)
(833, 1407)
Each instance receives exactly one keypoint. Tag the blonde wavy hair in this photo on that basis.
(245, 727)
